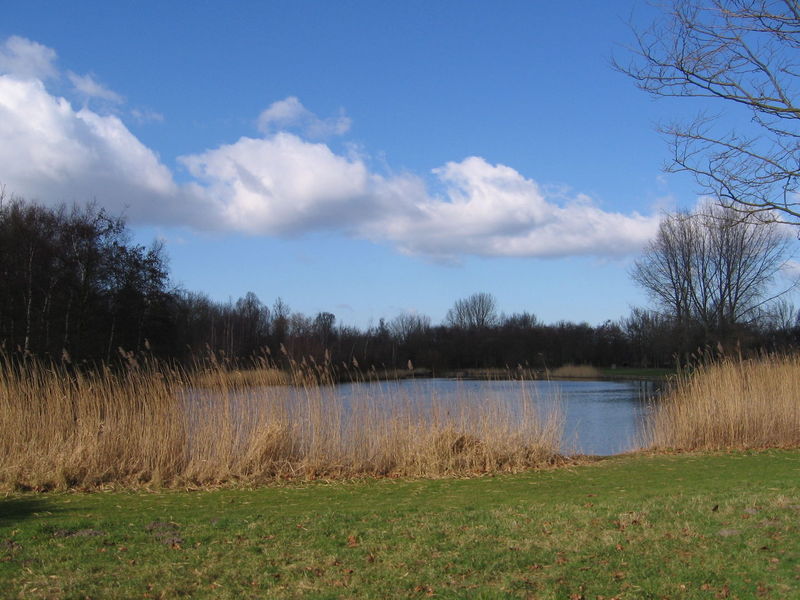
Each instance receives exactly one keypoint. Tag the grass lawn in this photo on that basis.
(677, 526)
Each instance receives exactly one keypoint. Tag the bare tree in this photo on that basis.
(280, 321)
(740, 53)
(713, 268)
(782, 317)
(405, 325)
(476, 312)
(323, 326)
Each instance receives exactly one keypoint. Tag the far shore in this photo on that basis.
(499, 374)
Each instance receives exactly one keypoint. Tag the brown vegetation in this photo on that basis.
(152, 425)
(577, 371)
(247, 377)
(730, 404)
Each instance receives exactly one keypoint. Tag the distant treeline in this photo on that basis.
(74, 285)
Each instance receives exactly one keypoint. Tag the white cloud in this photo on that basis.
(86, 86)
(289, 113)
(53, 153)
(492, 210)
(283, 184)
(26, 59)
(143, 116)
(281, 114)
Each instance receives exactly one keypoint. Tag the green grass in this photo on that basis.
(668, 526)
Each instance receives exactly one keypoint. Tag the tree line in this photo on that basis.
(75, 286)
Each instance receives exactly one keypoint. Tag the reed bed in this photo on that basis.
(253, 377)
(730, 404)
(151, 425)
(576, 371)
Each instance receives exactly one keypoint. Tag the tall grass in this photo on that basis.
(730, 404)
(151, 425)
(576, 371)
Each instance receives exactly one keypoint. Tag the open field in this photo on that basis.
(667, 526)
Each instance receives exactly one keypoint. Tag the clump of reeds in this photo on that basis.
(252, 377)
(63, 428)
(730, 404)
(576, 371)
(148, 424)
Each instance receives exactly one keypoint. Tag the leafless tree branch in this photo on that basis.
(744, 54)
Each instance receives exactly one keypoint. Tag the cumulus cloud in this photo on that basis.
(492, 210)
(290, 113)
(88, 87)
(27, 59)
(52, 152)
(283, 183)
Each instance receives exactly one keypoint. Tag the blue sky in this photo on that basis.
(366, 158)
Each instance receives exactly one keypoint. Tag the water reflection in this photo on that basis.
(601, 417)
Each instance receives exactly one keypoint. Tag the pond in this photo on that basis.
(601, 417)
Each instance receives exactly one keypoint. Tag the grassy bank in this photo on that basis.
(668, 526)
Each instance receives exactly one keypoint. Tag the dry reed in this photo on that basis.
(254, 377)
(730, 404)
(149, 425)
(576, 371)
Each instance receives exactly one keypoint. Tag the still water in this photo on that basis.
(601, 417)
